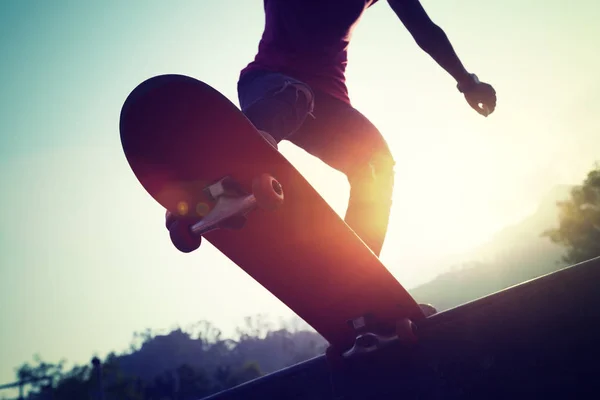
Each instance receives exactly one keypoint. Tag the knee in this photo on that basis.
(382, 163)
(375, 176)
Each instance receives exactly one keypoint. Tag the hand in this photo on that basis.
(482, 98)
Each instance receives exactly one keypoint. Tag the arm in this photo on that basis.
(430, 37)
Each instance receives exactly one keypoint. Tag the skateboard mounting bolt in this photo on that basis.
(358, 323)
(182, 208)
(202, 209)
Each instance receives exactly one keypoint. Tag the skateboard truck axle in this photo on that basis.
(231, 204)
(367, 342)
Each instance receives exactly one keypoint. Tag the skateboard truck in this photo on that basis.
(231, 204)
(367, 342)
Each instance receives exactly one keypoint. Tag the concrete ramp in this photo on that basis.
(538, 339)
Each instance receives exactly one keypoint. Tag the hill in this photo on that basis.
(515, 254)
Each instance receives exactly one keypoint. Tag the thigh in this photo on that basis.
(341, 136)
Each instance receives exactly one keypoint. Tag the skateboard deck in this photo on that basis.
(181, 136)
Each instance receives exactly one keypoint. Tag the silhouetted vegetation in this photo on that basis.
(579, 229)
(526, 250)
(180, 365)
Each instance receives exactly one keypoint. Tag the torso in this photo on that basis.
(308, 40)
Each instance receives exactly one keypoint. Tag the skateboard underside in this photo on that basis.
(199, 157)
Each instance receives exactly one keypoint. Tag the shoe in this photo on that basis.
(269, 138)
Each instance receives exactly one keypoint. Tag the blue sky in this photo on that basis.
(84, 259)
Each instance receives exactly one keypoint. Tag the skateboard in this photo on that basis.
(218, 178)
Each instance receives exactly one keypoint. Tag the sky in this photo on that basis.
(85, 260)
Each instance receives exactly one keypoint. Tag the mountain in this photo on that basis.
(515, 254)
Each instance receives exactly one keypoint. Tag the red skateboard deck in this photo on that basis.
(180, 136)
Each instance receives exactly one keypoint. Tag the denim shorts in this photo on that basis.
(322, 125)
(274, 102)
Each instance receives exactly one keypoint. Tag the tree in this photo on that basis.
(179, 365)
(579, 221)
(41, 375)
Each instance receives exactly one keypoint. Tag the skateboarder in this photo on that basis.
(295, 90)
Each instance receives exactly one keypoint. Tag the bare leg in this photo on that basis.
(346, 140)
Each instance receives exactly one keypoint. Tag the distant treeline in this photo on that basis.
(180, 365)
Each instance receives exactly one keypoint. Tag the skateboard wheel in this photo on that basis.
(268, 192)
(428, 309)
(170, 218)
(406, 331)
(182, 237)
